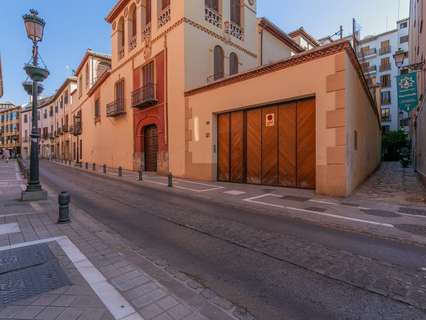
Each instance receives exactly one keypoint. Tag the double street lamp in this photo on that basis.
(34, 26)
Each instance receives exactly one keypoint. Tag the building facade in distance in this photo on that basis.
(376, 55)
(417, 57)
(10, 128)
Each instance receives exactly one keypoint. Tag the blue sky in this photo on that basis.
(73, 26)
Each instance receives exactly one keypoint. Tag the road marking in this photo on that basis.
(9, 228)
(256, 201)
(17, 214)
(324, 202)
(116, 304)
(235, 192)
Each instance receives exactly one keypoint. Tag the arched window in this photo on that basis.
(233, 63)
(121, 39)
(219, 62)
(132, 21)
(236, 11)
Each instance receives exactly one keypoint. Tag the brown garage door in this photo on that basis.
(273, 145)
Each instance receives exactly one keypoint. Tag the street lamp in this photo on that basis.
(34, 26)
(399, 58)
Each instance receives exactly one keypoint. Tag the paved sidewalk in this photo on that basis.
(92, 273)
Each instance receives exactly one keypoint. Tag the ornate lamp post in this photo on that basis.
(34, 26)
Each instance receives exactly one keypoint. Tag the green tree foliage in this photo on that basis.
(393, 142)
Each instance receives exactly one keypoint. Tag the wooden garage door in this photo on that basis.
(306, 149)
(273, 145)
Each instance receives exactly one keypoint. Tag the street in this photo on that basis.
(241, 254)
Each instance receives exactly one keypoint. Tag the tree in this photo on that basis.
(392, 143)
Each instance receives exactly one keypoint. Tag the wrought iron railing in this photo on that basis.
(144, 96)
(213, 17)
(164, 17)
(385, 50)
(235, 30)
(147, 31)
(115, 108)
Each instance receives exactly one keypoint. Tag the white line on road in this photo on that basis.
(324, 202)
(256, 201)
(9, 228)
(17, 214)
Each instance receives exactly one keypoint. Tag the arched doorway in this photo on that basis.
(151, 147)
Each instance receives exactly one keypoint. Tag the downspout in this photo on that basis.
(261, 45)
(166, 100)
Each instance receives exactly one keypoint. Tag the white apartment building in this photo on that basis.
(376, 56)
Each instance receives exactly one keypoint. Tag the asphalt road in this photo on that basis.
(165, 223)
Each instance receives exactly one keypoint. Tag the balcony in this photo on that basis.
(369, 69)
(147, 32)
(164, 17)
(45, 136)
(234, 30)
(215, 77)
(144, 97)
(385, 67)
(367, 53)
(115, 108)
(213, 17)
(77, 129)
(385, 50)
(132, 43)
(65, 128)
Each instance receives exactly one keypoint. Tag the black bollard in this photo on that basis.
(64, 212)
(120, 172)
(94, 166)
(140, 175)
(170, 180)
(104, 168)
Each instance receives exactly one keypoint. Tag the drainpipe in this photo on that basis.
(166, 100)
(261, 45)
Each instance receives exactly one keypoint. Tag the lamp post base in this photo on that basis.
(34, 195)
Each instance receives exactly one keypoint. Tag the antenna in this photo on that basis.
(399, 9)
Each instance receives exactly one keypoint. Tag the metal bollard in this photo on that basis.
(170, 180)
(64, 212)
(140, 175)
(94, 166)
(120, 172)
(104, 168)
(87, 166)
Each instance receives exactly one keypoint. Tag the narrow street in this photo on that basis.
(240, 253)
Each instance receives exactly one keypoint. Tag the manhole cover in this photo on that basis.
(29, 271)
(381, 213)
(295, 198)
(412, 228)
(413, 211)
(20, 258)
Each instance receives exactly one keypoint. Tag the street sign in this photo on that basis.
(407, 91)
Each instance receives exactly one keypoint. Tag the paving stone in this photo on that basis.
(223, 303)
(141, 290)
(9, 311)
(149, 298)
(50, 313)
(167, 303)
(64, 301)
(179, 312)
(125, 285)
(29, 312)
(163, 316)
(151, 311)
(70, 314)
(45, 300)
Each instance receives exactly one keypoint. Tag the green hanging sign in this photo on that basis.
(407, 91)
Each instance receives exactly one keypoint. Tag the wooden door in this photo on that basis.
(287, 128)
(254, 146)
(237, 146)
(306, 144)
(223, 126)
(151, 148)
(269, 145)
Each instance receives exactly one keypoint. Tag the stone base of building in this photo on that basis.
(34, 195)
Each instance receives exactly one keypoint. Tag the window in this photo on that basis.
(385, 81)
(25, 118)
(165, 4)
(386, 97)
(233, 63)
(236, 12)
(121, 38)
(212, 4)
(87, 75)
(219, 62)
(148, 74)
(403, 25)
(132, 26)
(403, 39)
(385, 47)
(97, 110)
(385, 64)
(386, 115)
(45, 114)
(66, 97)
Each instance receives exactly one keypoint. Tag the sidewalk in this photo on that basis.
(83, 270)
(389, 205)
